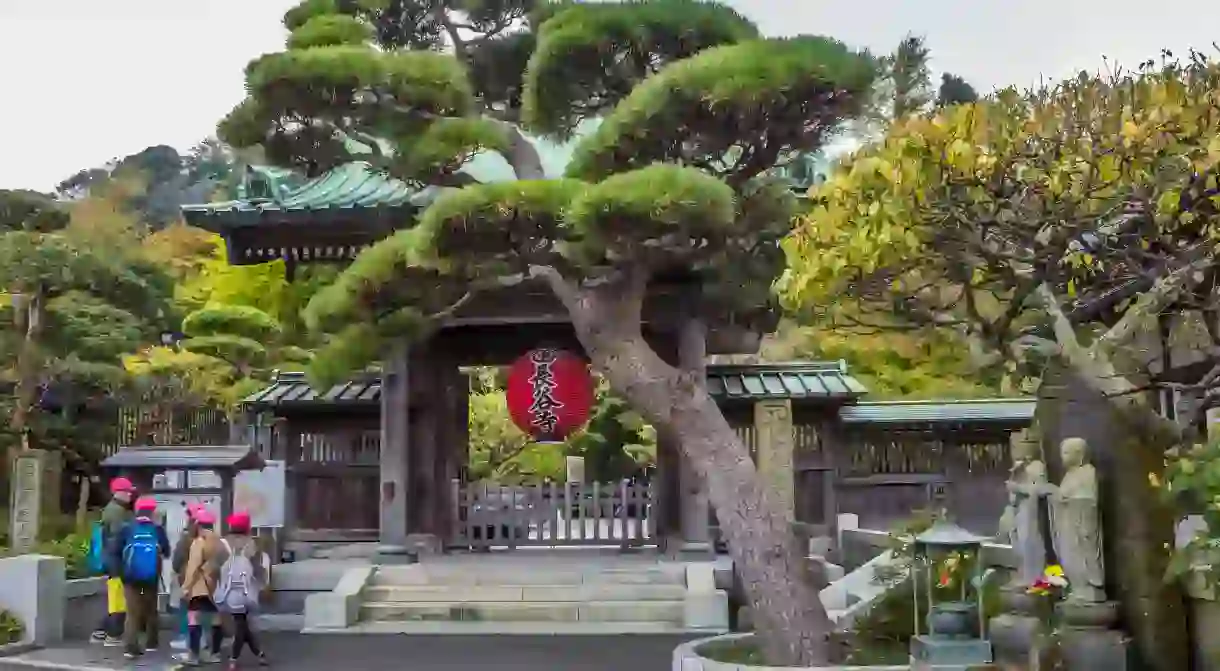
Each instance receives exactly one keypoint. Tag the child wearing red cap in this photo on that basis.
(242, 576)
(178, 562)
(139, 549)
(198, 584)
(116, 515)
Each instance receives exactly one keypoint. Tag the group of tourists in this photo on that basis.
(218, 576)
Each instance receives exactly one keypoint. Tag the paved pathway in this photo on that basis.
(400, 653)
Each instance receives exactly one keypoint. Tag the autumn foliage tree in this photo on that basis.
(1051, 228)
(70, 312)
(672, 185)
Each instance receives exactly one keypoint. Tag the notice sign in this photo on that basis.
(261, 494)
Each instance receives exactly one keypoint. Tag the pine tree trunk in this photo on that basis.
(792, 626)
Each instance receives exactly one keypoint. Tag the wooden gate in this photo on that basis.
(553, 515)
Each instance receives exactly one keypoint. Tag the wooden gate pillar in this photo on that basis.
(394, 461)
(776, 438)
(427, 417)
(453, 417)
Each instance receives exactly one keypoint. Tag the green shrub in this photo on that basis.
(11, 628)
(52, 526)
(74, 548)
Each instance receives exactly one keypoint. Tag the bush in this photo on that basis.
(58, 537)
(52, 525)
(11, 628)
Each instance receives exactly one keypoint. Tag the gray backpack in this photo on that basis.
(238, 589)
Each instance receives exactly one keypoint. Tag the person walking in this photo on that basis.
(181, 553)
(139, 549)
(117, 513)
(198, 586)
(242, 577)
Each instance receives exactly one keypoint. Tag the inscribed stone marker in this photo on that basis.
(26, 504)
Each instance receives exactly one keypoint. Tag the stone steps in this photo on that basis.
(523, 575)
(488, 595)
(520, 593)
(451, 628)
(655, 611)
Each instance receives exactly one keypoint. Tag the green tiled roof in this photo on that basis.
(292, 390)
(1015, 411)
(797, 381)
(272, 195)
(351, 187)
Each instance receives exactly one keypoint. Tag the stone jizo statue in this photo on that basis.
(1019, 526)
(1076, 524)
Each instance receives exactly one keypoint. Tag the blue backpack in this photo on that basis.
(141, 554)
(96, 560)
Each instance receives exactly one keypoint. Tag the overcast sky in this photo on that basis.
(84, 81)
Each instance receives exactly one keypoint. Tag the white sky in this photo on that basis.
(85, 81)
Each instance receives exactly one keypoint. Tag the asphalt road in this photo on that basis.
(402, 653)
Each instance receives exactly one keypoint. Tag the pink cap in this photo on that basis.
(146, 504)
(205, 516)
(239, 522)
(118, 485)
(192, 510)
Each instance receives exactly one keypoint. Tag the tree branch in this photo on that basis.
(1151, 303)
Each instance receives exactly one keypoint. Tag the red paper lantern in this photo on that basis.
(550, 393)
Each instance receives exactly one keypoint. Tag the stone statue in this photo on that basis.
(1076, 524)
(1020, 525)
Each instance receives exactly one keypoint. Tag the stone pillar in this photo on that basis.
(26, 500)
(694, 505)
(393, 463)
(775, 462)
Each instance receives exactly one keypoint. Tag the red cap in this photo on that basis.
(121, 485)
(146, 504)
(239, 522)
(205, 516)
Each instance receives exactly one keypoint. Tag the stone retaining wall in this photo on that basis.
(84, 607)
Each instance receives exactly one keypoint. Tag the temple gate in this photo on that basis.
(381, 457)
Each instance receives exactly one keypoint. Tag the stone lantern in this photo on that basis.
(952, 631)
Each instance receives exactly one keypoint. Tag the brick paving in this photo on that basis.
(400, 653)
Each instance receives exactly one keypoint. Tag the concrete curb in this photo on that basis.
(16, 663)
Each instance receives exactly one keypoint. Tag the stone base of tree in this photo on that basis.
(687, 658)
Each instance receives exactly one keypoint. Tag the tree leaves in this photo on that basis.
(991, 198)
(732, 110)
(590, 56)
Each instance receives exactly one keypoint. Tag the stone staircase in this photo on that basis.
(513, 597)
